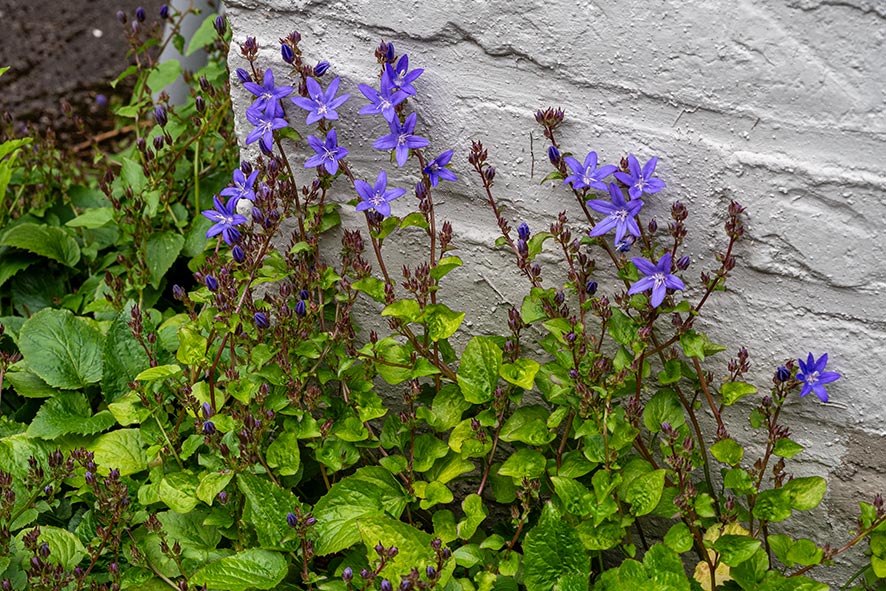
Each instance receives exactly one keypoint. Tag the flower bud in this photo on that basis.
(554, 155)
(364, 573)
(164, 11)
(200, 104)
(386, 585)
(782, 374)
(389, 52)
(121, 16)
(683, 262)
(591, 287)
(431, 572)
(243, 75)
(211, 283)
(140, 14)
(301, 309)
(261, 320)
(489, 173)
(347, 574)
(292, 520)
(321, 68)
(221, 25)
(178, 292)
(287, 53)
(208, 428)
(652, 226)
(206, 409)
(160, 116)
(222, 497)
(523, 231)
(238, 254)
(303, 294)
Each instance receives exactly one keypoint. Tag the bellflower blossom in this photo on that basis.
(382, 101)
(587, 174)
(658, 278)
(436, 170)
(377, 197)
(242, 188)
(226, 220)
(265, 124)
(619, 214)
(639, 180)
(400, 77)
(319, 104)
(268, 94)
(813, 376)
(401, 139)
(328, 152)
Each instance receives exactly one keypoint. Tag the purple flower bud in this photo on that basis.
(121, 16)
(44, 550)
(261, 320)
(405, 585)
(301, 309)
(200, 104)
(238, 253)
(140, 14)
(591, 287)
(222, 497)
(569, 337)
(160, 116)
(554, 155)
(286, 52)
(523, 231)
(178, 292)
(207, 410)
(436, 543)
(114, 568)
(243, 75)
(303, 294)
(347, 574)
(114, 474)
(522, 248)
(310, 521)
(101, 101)
(89, 477)
(447, 553)
(683, 262)
(782, 374)
(386, 585)
(208, 428)
(211, 283)
(321, 68)
(652, 225)
(389, 52)
(379, 549)
(221, 25)
(292, 520)
(431, 572)
(159, 140)
(164, 11)
(393, 551)
(47, 490)
(364, 573)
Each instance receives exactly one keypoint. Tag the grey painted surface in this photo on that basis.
(779, 105)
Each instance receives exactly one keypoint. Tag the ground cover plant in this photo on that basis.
(188, 405)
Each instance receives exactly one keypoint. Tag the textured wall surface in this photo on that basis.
(778, 104)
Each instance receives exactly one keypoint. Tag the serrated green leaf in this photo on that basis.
(250, 569)
(696, 344)
(444, 266)
(739, 481)
(162, 249)
(728, 451)
(521, 372)
(122, 449)
(524, 463)
(68, 413)
(528, 425)
(203, 36)
(622, 328)
(734, 549)
(663, 407)
(123, 357)
(65, 548)
(806, 493)
(414, 545)
(406, 310)
(131, 174)
(371, 286)
(475, 512)
(773, 505)
(283, 454)
(64, 350)
(679, 538)
(266, 508)
(671, 373)
(441, 322)
(179, 491)
(212, 483)
(644, 492)
(479, 370)
(805, 553)
(551, 550)
(47, 241)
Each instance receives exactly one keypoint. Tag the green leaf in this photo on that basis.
(732, 392)
(528, 425)
(203, 36)
(479, 370)
(197, 540)
(65, 547)
(436, 493)
(446, 408)
(406, 310)
(61, 348)
(123, 449)
(250, 569)
(787, 448)
(551, 550)
(92, 218)
(804, 552)
(806, 493)
(444, 265)
(576, 498)
(441, 321)
(773, 505)
(179, 491)
(161, 372)
(28, 384)
(212, 483)
(728, 451)
(162, 76)
(602, 536)
(123, 357)
(283, 454)
(370, 492)
(371, 286)
(47, 241)
(474, 512)
(131, 174)
(162, 249)
(413, 544)
(663, 407)
(427, 450)
(696, 344)
(679, 538)
(622, 328)
(735, 549)
(644, 492)
(672, 372)
(525, 463)
(416, 219)
(739, 481)
(532, 309)
(191, 345)
(266, 507)
(11, 263)
(68, 413)
(521, 372)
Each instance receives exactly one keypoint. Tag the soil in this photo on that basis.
(61, 52)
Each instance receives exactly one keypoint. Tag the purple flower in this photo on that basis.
(377, 197)
(328, 153)
(587, 174)
(401, 139)
(242, 188)
(400, 77)
(265, 124)
(382, 101)
(619, 214)
(813, 376)
(268, 95)
(226, 219)
(658, 278)
(640, 181)
(319, 104)
(436, 169)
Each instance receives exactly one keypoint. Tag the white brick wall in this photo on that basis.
(779, 105)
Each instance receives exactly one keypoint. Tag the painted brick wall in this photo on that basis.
(778, 104)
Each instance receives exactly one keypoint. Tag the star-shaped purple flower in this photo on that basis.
(400, 77)
(319, 104)
(242, 188)
(226, 220)
(436, 169)
(382, 101)
(619, 214)
(813, 376)
(587, 174)
(265, 124)
(658, 278)
(377, 197)
(639, 180)
(401, 139)
(328, 152)
(268, 95)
